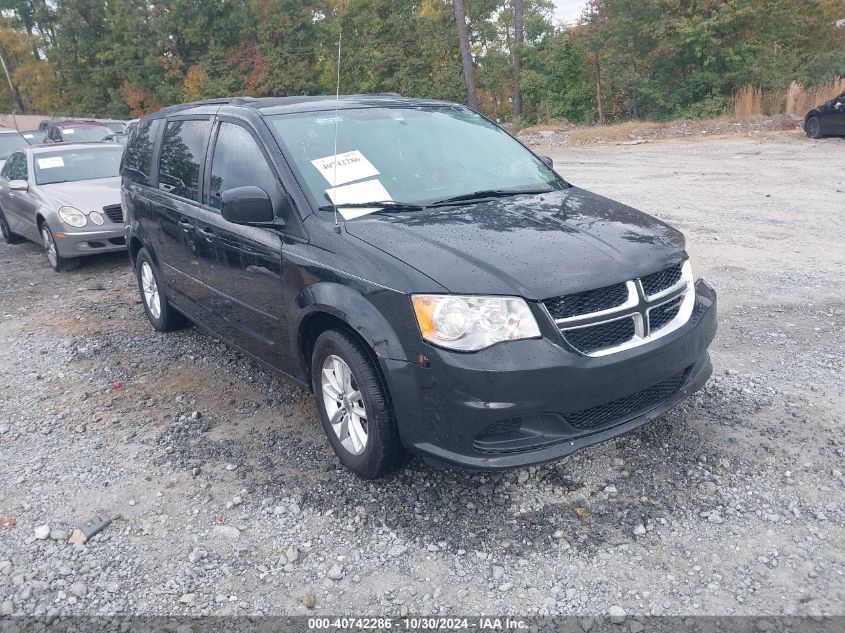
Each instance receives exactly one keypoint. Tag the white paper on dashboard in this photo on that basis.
(69, 130)
(350, 166)
(50, 162)
(367, 191)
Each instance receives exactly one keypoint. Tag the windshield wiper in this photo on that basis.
(382, 205)
(484, 194)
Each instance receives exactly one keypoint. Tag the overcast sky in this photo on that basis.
(568, 10)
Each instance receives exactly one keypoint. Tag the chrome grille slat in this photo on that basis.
(587, 302)
(655, 305)
(589, 339)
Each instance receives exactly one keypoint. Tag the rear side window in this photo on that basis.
(238, 162)
(182, 150)
(138, 158)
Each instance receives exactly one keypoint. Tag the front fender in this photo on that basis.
(383, 318)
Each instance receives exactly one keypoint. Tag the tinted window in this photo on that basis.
(77, 164)
(139, 154)
(17, 167)
(238, 162)
(182, 151)
(9, 143)
(54, 135)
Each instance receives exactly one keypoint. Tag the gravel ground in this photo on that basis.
(229, 499)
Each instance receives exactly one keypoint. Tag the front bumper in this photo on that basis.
(533, 401)
(86, 242)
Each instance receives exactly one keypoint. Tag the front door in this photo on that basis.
(19, 206)
(249, 280)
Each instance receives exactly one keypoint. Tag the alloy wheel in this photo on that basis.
(4, 229)
(344, 404)
(49, 246)
(150, 290)
(813, 127)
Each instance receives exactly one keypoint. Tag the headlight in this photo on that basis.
(470, 323)
(73, 217)
(694, 261)
(96, 217)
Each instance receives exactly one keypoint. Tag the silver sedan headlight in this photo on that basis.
(468, 323)
(73, 217)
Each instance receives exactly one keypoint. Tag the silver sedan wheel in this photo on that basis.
(150, 290)
(49, 246)
(344, 404)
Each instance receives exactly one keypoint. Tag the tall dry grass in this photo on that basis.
(798, 99)
(748, 102)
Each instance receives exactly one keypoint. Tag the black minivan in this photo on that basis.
(436, 285)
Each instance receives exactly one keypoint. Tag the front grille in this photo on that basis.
(624, 408)
(588, 301)
(601, 336)
(663, 314)
(115, 213)
(661, 280)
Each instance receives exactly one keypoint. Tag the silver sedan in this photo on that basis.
(66, 198)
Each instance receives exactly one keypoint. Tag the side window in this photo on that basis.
(17, 167)
(182, 150)
(238, 162)
(138, 157)
(54, 134)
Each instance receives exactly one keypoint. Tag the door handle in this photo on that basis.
(186, 225)
(208, 234)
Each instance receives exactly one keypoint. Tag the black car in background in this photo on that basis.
(827, 119)
(438, 287)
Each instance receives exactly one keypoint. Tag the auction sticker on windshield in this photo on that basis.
(50, 162)
(350, 166)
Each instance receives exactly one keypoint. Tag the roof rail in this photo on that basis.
(194, 104)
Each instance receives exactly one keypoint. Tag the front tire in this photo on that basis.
(354, 406)
(5, 229)
(813, 127)
(161, 315)
(57, 262)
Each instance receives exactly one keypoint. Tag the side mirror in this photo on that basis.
(247, 205)
(548, 162)
(18, 185)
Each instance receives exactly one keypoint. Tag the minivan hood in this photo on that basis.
(535, 246)
(85, 195)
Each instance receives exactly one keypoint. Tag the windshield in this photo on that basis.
(77, 164)
(10, 143)
(412, 155)
(86, 133)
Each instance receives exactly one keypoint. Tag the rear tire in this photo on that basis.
(57, 262)
(161, 315)
(813, 127)
(8, 236)
(354, 406)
